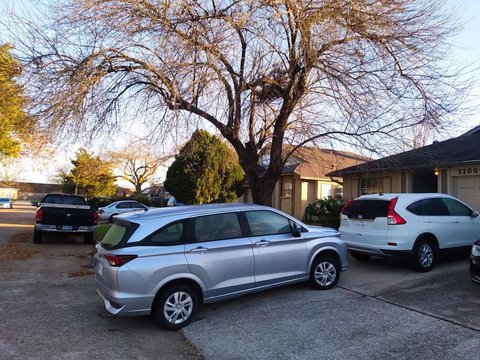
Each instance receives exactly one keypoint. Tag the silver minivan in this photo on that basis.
(166, 262)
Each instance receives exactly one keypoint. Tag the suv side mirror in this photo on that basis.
(297, 230)
(474, 213)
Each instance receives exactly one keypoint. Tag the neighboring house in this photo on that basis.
(155, 191)
(8, 192)
(451, 167)
(122, 191)
(34, 191)
(304, 179)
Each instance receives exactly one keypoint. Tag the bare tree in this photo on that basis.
(264, 73)
(137, 165)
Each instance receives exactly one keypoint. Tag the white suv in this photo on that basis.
(414, 225)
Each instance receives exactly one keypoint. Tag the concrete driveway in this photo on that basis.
(380, 310)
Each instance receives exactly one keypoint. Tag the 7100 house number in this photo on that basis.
(468, 171)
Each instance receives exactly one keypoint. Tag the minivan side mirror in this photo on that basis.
(474, 213)
(297, 230)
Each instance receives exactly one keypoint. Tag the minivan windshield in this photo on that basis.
(118, 234)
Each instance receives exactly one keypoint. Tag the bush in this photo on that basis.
(325, 212)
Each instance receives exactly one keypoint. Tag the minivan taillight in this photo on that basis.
(393, 218)
(119, 260)
(39, 215)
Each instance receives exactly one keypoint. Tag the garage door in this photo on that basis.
(468, 190)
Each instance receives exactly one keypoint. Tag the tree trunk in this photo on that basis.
(138, 189)
(262, 192)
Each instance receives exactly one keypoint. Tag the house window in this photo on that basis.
(371, 186)
(287, 187)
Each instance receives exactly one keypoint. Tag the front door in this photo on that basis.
(220, 256)
(279, 256)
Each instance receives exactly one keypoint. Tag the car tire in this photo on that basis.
(111, 219)
(423, 255)
(175, 307)
(88, 239)
(37, 237)
(360, 256)
(325, 273)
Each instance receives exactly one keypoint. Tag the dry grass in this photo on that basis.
(15, 248)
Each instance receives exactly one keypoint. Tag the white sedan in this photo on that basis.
(120, 207)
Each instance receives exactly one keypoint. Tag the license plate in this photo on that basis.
(67, 227)
(360, 224)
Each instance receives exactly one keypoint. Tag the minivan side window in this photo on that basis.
(264, 222)
(456, 208)
(171, 234)
(217, 227)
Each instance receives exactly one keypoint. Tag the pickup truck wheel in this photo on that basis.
(88, 238)
(37, 237)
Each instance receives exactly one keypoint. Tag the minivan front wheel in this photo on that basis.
(325, 273)
(423, 255)
(175, 307)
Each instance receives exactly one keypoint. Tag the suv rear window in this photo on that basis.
(367, 209)
(118, 234)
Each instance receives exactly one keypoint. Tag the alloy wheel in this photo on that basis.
(178, 307)
(425, 255)
(325, 273)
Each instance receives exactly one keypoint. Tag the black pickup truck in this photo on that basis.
(64, 213)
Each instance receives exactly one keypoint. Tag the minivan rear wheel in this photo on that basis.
(360, 256)
(325, 273)
(175, 307)
(423, 255)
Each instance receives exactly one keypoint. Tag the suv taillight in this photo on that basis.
(119, 260)
(393, 218)
(39, 215)
(345, 206)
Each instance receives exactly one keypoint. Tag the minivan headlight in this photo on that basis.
(476, 250)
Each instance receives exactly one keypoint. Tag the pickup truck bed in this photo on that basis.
(64, 213)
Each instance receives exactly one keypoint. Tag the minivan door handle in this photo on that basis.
(262, 243)
(199, 249)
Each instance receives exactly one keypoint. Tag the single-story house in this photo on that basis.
(8, 192)
(304, 179)
(451, 167)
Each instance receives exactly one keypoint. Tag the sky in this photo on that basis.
(465, 51)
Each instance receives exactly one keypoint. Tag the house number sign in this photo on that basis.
(465, 171)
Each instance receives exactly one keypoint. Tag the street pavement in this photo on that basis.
(380, 309)
(17, 220)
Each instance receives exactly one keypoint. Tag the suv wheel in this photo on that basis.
(175, 307)
(324, 273)
(360, 256)
(423, 255)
